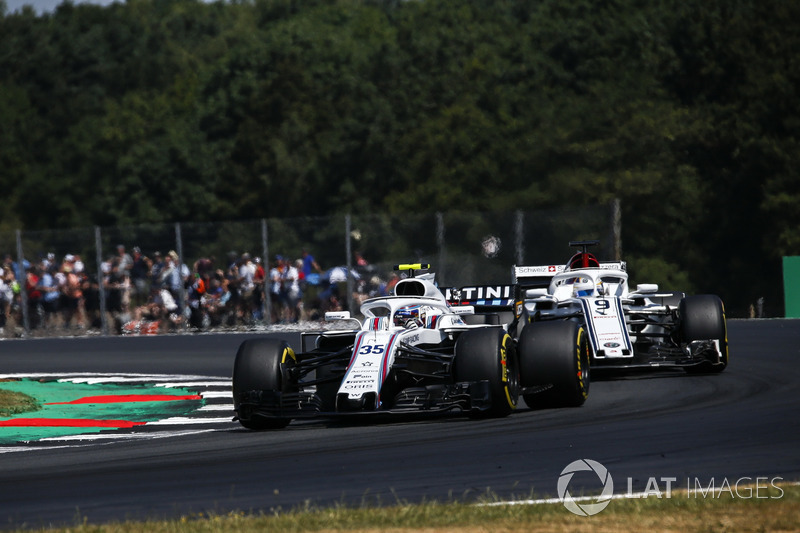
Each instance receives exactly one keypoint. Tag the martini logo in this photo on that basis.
(599, 502)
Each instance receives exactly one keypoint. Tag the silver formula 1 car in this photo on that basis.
(411, 352)
(627, 328)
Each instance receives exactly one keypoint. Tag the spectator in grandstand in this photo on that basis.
(139, 274)
(157, 270)
(196, 300)
(310, 280)
(125, 259)
(276, 288)
(161, 308)
(310, 266)
(8, 287)
(394, 277)
(205, 268)
(247, 286)
(34, 296)
(218, 296)
(71, 293)
(48, 261)
(362, 266)
(291, 291)
(232, 277)
(260, 282)
(174, 276)
(115, 283)
(48, 285)
(90, 287)
(20, 272)
(77, 264)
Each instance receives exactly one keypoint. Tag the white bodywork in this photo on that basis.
(600, 294)
(385, 326)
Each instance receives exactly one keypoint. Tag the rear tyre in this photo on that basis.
(703, 318)
(489, 355)
(261, 365)
(555, 355)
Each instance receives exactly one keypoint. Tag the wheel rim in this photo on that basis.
(583, 363)
(510, 371)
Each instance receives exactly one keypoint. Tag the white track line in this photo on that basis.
(626, 496)
(127, 436)
(216, 394)
(184, 420)
(217, 407)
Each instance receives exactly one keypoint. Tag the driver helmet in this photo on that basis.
(406, 313)
(583, 287)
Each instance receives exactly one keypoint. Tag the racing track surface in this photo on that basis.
(740, 423)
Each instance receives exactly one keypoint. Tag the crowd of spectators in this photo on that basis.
(150, 293)
(155, 292)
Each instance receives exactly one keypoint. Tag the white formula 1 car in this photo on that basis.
(412, 352)
(627, 328)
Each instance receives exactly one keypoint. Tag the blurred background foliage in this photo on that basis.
(155, 111)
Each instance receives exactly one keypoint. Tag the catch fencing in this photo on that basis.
(356, 254)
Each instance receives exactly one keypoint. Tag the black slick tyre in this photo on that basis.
(489, 355)
(703, 318)
(554, 357)
(261, 365)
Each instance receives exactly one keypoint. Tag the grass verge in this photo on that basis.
(14, 403)
(774, 510)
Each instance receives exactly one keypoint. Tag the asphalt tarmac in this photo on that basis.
(652, 431)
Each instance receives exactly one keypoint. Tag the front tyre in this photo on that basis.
(703, 318)
(261, 366)
(554, 357)
(489, 355)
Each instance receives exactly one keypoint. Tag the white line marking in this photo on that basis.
(216, 394)
(183, 420)
(121, 376)
(10, 449)
(129, 436)
(226, 383)
(217, 407)
(626, 496)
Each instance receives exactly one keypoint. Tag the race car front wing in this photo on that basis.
(463, 397)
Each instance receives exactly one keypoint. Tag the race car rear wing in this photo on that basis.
(526, 280)
(530, 275)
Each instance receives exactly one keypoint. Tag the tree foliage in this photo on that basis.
(180, 110)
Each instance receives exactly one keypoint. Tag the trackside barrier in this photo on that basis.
(199, 276)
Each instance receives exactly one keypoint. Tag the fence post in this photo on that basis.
(267, 308)
(349, 263)
(519, 236)
(22, 279)
(616, 228)
(101, 289)
(181, 288)
(440, 242)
